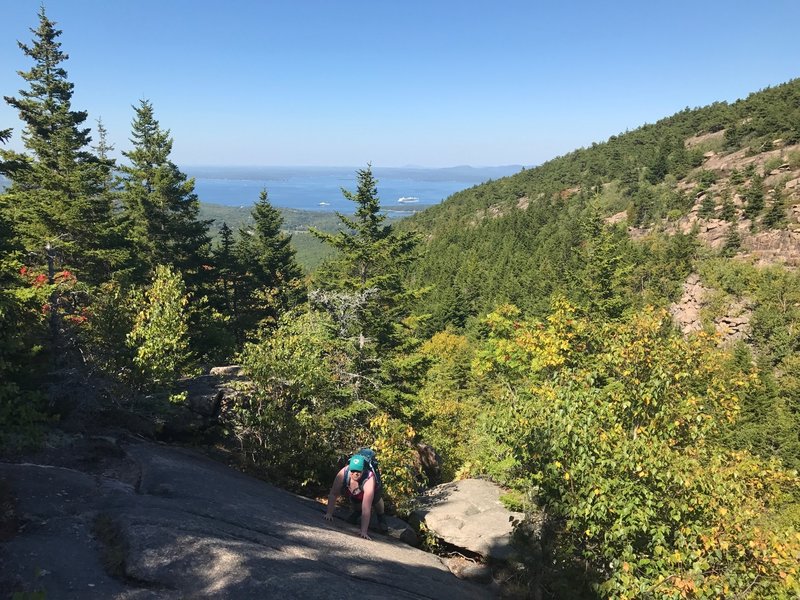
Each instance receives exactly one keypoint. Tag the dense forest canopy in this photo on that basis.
(521, 328)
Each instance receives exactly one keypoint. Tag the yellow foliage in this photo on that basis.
(634, 411)
(394, 448)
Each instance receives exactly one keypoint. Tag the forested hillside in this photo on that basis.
(523, 237)
(706, 198)
(522, 329)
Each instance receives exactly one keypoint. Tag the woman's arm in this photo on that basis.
(366, 505)
(333, 495)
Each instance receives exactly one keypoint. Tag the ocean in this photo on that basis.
(319, 188)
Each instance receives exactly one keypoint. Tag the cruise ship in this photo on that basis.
(407, 200)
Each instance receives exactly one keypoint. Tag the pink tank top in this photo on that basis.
(359, 493)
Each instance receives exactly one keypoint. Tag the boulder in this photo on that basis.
(232, 371)
(469, 570)
(206, 395)
(398, 529)
(468, 514)
(429, 463)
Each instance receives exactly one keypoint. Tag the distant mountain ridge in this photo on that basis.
(465, 173)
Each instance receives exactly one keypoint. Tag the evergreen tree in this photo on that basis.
(660, 166)
(56, 190)
(372, 256)
(754, 197)
(728, 209)
(733, 137)
(732, 241)
(269, 281)
(5, 135)
(737, 177)
(643, 208)
(160, 206)
(776, 215)
(19, 406)
(708, 206)
(369, 268)
(602, 282)
(102, 150)
(225, 263)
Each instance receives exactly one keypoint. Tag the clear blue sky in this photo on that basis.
(431, 83)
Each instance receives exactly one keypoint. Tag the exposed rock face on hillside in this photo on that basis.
(687, 313)
(764, 247)
(118, 518)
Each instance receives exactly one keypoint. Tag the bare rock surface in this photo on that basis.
(469, 514)
(130, 519)
(686, 312)
(732, 325)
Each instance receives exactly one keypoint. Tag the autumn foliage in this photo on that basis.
(615, 428)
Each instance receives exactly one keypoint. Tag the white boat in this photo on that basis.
(407, 199)
(324, 203)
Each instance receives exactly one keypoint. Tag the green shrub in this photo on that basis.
(301, 405)
(772, 164)
(617, 428)
(393, 444)
(160, 334)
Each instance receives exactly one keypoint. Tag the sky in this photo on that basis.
(432, 83)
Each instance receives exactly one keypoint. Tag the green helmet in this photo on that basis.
(356, 463)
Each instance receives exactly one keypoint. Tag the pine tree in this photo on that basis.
(102, 150)
(732, 241)
(641, 212)
(55, 195)
(372, 256)
(226, 267)
(269, 281)
(776, 215)
(5, 135)
(728, 209)
(659, 168)
(602, 282)
(368, 295)
(754, 197)
(160, 206)
(19, 407)
(708, 206)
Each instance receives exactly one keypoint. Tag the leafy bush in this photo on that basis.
(617, 428)
(160, 334)
(395, 450)
(300, 416)
(447, 409)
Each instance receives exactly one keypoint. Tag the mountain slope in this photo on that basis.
(523, 238)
